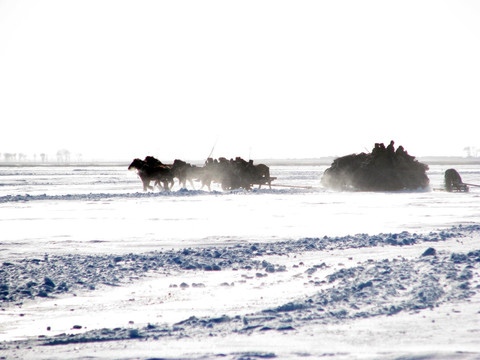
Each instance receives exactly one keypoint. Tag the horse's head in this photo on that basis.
(136, 164)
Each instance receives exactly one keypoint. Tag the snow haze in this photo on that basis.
(258, 79)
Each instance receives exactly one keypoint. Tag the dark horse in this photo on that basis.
(184, 172)
(160, 174)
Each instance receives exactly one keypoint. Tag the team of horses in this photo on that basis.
(230, 174)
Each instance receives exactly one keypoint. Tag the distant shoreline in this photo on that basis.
(321, 161)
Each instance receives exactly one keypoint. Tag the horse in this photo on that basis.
(211, 172)
(230, 174)
(152, 161)
(184, 172)
(160, 174)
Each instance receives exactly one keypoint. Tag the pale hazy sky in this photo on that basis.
(281, 79)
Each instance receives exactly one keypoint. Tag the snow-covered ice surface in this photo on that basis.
(91, 267)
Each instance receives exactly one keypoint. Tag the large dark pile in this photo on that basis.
(384, 169)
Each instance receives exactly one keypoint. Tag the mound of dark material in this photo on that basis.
(384, 169)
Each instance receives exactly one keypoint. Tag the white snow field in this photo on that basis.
(93, 267)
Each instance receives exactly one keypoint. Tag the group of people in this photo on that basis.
(230, 174)
(389, 151)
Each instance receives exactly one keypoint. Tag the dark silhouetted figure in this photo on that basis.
(453, 181)
(391, 149)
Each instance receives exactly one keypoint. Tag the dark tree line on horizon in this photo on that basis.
(62, 156)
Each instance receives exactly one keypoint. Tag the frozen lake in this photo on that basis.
(102, 211)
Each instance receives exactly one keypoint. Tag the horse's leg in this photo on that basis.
(207, 184)
(191, 184)
(159, 184)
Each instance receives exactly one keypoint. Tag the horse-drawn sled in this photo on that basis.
(230, 174)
